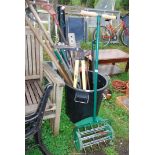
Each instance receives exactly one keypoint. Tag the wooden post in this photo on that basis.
(59, 90)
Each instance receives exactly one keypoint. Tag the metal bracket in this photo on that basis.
(71, 39)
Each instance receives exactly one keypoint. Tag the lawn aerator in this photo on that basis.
(93, 130)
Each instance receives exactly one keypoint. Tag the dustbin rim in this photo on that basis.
(81, 90)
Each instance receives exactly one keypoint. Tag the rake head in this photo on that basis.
(93, 133)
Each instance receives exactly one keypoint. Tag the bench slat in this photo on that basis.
(26, 64)
(33, 55)
(29, 55)
(27, 95)
(31, 93)
(37, 48)
(35, 91)
(31, 77)
(38, 88)
(26, 102)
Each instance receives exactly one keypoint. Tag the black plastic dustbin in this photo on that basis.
(79, 103)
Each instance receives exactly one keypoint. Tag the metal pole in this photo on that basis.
(96, 66)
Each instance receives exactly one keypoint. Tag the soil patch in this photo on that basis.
(122, 147)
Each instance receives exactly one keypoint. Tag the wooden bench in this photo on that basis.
(35, 71)
(110, 56)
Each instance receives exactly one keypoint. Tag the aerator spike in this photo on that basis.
(93, 135)
(91, 148)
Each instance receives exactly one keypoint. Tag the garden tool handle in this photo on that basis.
(105, 16)
(88, 13)
(76, 73)
(94, 14)
(83, 74)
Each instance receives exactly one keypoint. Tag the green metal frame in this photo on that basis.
(106, 127)
(95, 76)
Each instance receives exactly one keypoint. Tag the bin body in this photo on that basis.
(79, 103)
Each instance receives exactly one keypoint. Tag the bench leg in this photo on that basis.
(59, 93)
(90, 65)
(38, 141)
(127, 67)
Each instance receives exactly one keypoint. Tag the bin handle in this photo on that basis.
(81, 97)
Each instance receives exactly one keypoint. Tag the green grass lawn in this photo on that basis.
(88, 46)
(63, 143)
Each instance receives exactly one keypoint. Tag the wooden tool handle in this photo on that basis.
(94, 14)
(88, 13)
(83, 74)
(105, 16)
(76, 73)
